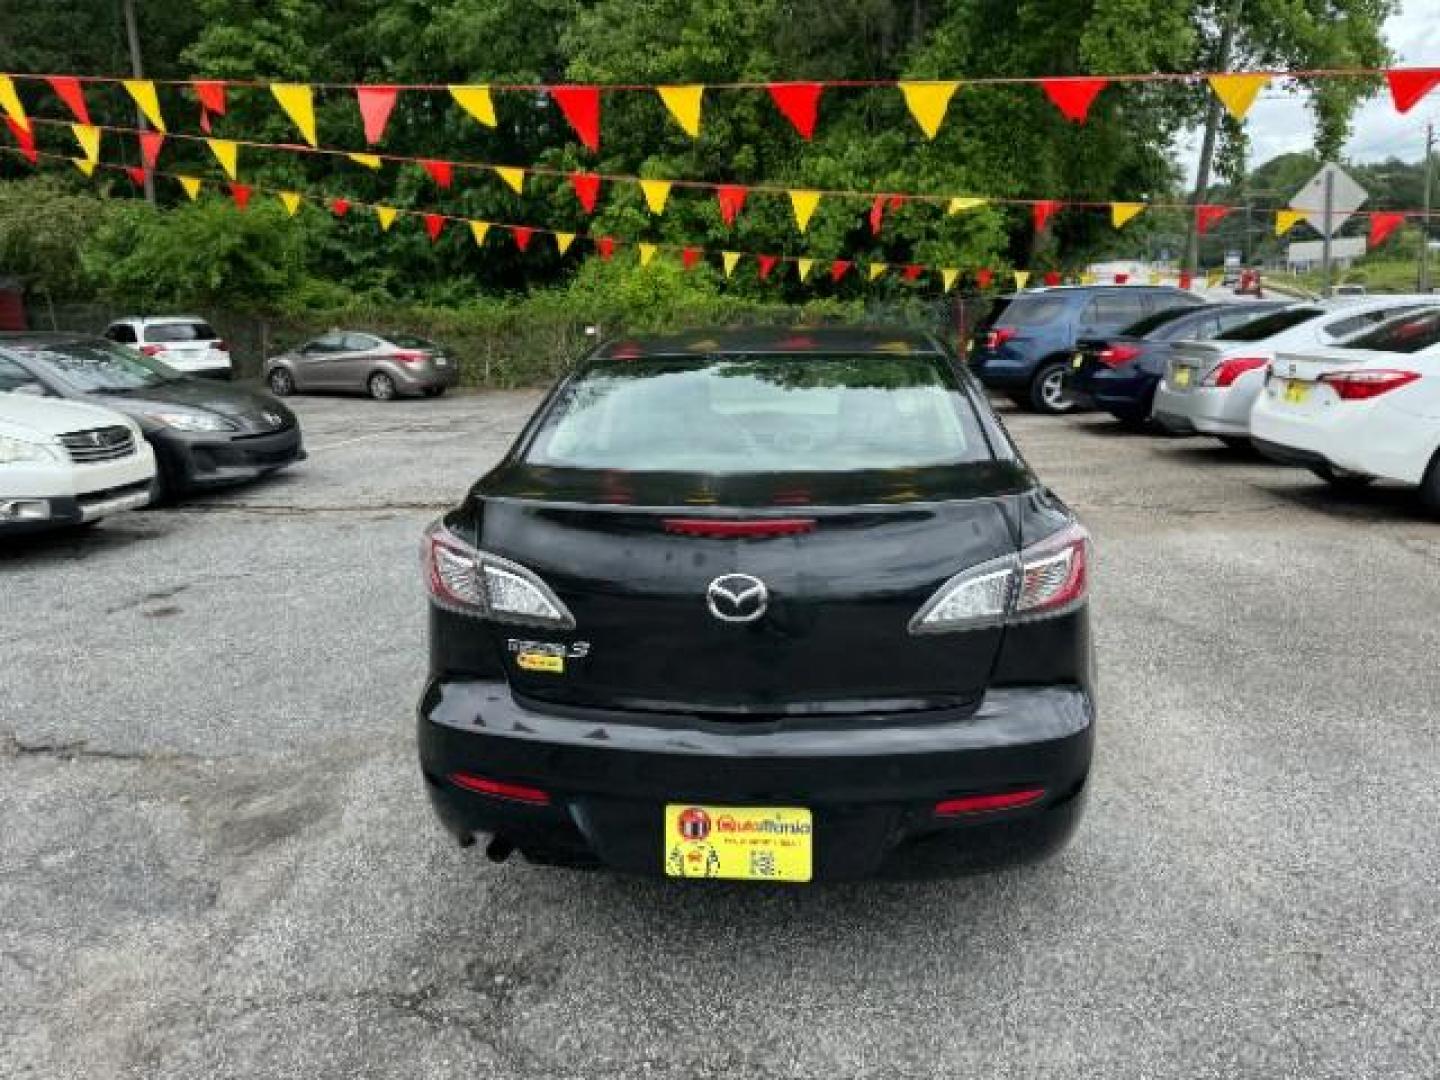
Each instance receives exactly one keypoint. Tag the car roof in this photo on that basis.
(154, 320)
(1086, 290)
(770, 341)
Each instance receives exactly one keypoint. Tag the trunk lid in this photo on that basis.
(1190, 362)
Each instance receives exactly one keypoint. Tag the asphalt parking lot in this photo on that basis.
(216, 858)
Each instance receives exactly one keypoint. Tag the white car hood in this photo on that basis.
(27, 417)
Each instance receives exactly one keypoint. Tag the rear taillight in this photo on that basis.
(1363, 385)
(219, 346)
(995, 338)
(1232, 369)
(151, 350)
(461, 579)
(1046, 579)
(1115, 355)
(409, 356)
(984, 804)
(499, 789)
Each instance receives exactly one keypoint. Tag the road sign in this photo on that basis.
(1346, 196)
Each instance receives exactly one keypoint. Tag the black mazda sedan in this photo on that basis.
(205, 433)
(761, 605)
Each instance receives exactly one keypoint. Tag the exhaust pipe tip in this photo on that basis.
(499, 849)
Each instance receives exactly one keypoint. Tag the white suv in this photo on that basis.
(65, 462)
(182, 342)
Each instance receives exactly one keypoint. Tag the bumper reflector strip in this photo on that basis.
(980, 804)
(514, 792)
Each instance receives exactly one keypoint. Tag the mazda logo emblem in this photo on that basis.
(737, 598)
(274, 419)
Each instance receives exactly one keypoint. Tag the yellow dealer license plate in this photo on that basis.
(742, 843)
(1296, 393)
(1182, 376)
(1078, 361)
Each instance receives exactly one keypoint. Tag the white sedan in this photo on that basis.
(65, 462)
(1368, 410)
(1210, 387)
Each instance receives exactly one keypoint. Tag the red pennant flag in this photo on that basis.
(1073, 97)
(339, 207)
(25, 138)
(984, 277)
(212, 100)
(912, 271)
(767, 264)
(150, 143)
(877, 215)
(1042, 212)
(439, 171)
(136, 174)
(587, 189)
(1121, 279)
(581, 106)
(1206, 216)
(241, 194)
(375, 105)
(1382, 225)
(434, 226)
(605, 245)
(522, 234)
(690, 257)
(1052, 278)
(732, 201)
(1186, 279)
(67, 89)
(838, 269)
(799, 102)
(1409, 85)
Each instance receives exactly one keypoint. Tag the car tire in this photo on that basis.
(381, 386)
(1430, 487)
(1048, 391)
(280, 382)
(1342, 481)
(1241, 444)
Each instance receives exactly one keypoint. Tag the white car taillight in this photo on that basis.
(461, 579)
(1048, 578)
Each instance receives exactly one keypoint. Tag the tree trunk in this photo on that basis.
(1207, 146)
(137, 68)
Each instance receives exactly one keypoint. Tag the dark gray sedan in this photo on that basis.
(385, 367)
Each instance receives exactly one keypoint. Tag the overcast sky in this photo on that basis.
(1280, 123)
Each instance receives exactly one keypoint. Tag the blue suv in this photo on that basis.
(1025, 344)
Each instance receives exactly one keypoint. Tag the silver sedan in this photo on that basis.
(385, 367)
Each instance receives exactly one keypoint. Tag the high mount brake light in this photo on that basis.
(1046, 579)
(754, 529)
(1232, 369)
(469, 582)
(995, 338)
(1115, 355)
(1364, 385)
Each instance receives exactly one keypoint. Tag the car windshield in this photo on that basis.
(97, 367)
(1268, 326)
(1410, 334)
(761, 414)
(180, 331)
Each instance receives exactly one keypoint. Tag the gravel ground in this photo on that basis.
(216, 858)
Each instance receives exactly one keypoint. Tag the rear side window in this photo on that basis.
(1269, 325)
(180, 331)
(1030, 311)
(1409, 334)
(737, 415)
(121, 332)
(410, 341)
(1115, 309)
(359, 343)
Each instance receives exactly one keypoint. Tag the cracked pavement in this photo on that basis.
(216, 859)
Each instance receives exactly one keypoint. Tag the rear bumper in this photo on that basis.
(1369, 438)
(1204, 410)
(427, 378)
(871, 785)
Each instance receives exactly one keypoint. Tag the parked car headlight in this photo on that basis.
(192, 421)
(14, 451)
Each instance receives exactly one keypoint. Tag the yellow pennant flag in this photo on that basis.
(563, 240)
(86, 167)
(928, 102)
(10, 102)
(1238, 92)
(291, 201)
(961, 203)
(684, 105)
(729, 259)
(227, 153)
(386, 216)
(1087, 278)
(513, 177)
(657, 193)
(804, 265)
(1022, 278)
(476, 101)
(1155, 279)
(191, 184)
(479, 230)
(875, 270)
(298, 101)
(948, 274)
(370, 161)
(647, 252)
(1285, 220)
(1121, 212)
(143, 91)
(803, 203)
(88, 136)
(1214, 278)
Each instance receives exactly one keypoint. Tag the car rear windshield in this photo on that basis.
(180, 331)
(410, 341)
(734, 415)
(1410, 334)
(1269, 325)
(96, 367)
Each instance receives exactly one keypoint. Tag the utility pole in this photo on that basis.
(1328, 219)
(137, 68)
(1424, 279)
(1191, 261)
